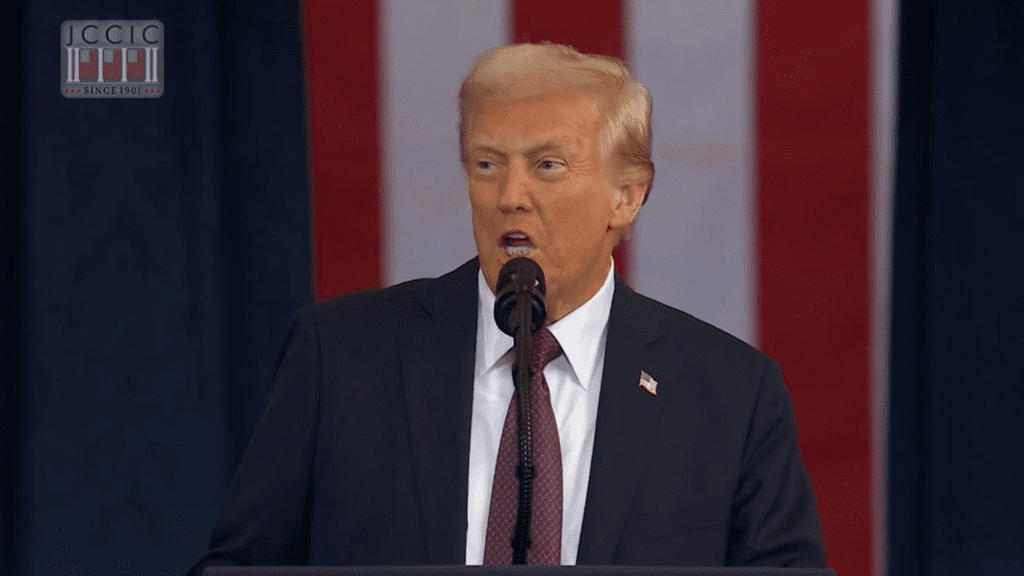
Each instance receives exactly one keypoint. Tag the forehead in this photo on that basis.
(556, 119)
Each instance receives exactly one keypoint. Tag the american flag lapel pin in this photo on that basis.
(648, 383)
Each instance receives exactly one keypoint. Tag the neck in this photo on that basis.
(561, 303)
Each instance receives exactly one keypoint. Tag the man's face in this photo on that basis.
(538, 188)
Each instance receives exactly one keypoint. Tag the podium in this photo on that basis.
(510, 571)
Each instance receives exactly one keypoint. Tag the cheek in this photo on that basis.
(484, 227)
(483, 212)
(583, 218)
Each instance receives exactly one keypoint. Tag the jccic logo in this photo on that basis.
(112, 58)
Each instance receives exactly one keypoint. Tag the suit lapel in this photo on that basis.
(626, 422)
(437, 360)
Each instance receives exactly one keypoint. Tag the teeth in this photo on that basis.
(517, 250)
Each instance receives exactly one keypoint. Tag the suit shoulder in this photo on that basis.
(702, 339)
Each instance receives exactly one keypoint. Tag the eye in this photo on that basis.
(484, 164)
(548, 164)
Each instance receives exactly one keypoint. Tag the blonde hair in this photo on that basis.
(519, 71)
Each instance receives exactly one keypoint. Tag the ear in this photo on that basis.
(629, 196)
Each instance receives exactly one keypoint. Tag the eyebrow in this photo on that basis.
(533, 149)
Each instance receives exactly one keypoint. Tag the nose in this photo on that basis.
(517, 189)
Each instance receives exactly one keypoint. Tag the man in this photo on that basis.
(380, 437)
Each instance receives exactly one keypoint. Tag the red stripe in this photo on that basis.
(814, 226)
(342, 83)
(590, 26)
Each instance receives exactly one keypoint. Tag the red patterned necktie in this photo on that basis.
(546, 525)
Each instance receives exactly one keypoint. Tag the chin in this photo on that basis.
(491, 263)
(498, 257)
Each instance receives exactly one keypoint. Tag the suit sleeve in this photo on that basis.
(774, 517)
(265, 518)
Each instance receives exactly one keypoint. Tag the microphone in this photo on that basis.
(520, 311)
(520, 278)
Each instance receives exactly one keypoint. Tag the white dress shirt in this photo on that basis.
(574, 379)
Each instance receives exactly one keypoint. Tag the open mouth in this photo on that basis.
(516, 243)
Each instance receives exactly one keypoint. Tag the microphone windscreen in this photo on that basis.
(517, 276)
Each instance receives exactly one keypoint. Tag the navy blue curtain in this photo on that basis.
(957, 372)
(10, 296)
(153, 253)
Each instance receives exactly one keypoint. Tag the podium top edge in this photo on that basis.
(504, 570)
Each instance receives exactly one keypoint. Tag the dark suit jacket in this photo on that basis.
(361, 456)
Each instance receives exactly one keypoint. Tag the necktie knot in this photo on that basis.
(545, 349)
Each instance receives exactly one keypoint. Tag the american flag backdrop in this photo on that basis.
(769, 215)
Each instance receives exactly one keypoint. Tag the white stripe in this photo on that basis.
(427, 49)
(693, 243)
(883, 137)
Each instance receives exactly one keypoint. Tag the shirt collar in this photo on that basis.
(578, 333)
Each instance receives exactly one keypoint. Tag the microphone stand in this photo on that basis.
(525, 470)
(520, 310)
